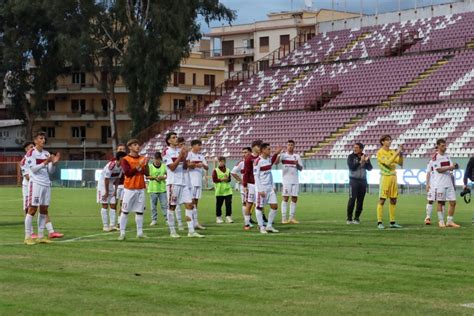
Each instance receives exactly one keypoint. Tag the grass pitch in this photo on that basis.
(321, 266)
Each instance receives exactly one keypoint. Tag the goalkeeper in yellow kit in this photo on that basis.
(388, 159)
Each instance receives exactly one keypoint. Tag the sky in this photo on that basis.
(249, 11)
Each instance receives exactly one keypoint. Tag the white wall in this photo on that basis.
(392, 17)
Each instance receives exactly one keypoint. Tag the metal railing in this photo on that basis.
(237, 51)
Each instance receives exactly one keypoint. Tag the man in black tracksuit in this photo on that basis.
(358, 164)
(469, 175)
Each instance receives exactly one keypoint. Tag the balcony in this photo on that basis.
(228, 53)
(77, 143)
(83, 116)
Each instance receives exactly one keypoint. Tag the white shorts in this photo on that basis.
(101, 199)
(290, 189)
(431, 195)
(120, 189)
(196, 192)
(250, 197)
(39, 195)
(445, 194)
(24, 191)
(133, 201)
(270, 198)
(178, 194)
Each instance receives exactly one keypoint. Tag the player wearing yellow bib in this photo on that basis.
(388, 159)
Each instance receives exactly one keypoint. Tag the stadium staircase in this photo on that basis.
(339, 132)
(417, 80)
(348, 47)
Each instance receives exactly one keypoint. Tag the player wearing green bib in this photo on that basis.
(223, 191)
(157, 188)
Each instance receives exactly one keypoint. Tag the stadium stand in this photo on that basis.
(414, 76)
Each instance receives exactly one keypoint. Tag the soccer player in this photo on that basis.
(40, 164)
(196, 163)
(176, 189)
(157, 187)
(388, 159)
(469, 175)
(264, 187)
(135, 168)
(358, 164)
(107, 191)
(25, 180)
(291, 165)
(445, 186)
(237, 173)
(223, 191)
(120, 147)
(248, 182)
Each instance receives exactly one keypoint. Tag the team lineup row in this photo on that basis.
(175, 178)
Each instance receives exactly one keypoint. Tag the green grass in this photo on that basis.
(321, 266)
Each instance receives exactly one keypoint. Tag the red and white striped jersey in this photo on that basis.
(289, 171)
(262, 171)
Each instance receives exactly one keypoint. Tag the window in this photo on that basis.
(210, 80)
(50, 105)
(78, 106)
(105, 134)
(264, 44)
(284, 40)
(78, 132)
(179, 105)
(248, 43)
(227, 48)
(179, 78)
(79, 78)
(5, 134)
(194, 79)
(105, 106)
(50, 131)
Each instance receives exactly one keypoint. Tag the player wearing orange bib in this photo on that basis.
(135, 168)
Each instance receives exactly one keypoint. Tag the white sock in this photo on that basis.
(190, 222)
(105, 218)
(49, 227)
(243, 211)
(42, 222)
(292, 210)
(271, 217)
(112, 214)
(28, 226)
(429, 210)
(195, 217)
(139, 221)
(284, 206)
(444, 211)
(247, 220)
(450, 219)
(123, 223)
(441, 217)
(259, 215)
(178, 215)
(170, 215)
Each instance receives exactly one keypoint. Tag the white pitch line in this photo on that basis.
(468, 305)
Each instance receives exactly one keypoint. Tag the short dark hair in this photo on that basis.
(221, 158)
(120, 155)
(121, 144)
(181, 140)
(39, 133)
(28, 143)
(440, 141)
(196, 142)
(133, 141)
(264, 145)
(384, 138)
(158, 155)
(247, 148)
(290, 141)
(361, 146)
(257, 142)
(168, 136)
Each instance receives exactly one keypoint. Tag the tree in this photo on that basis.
(35, 51)
(160, 34)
